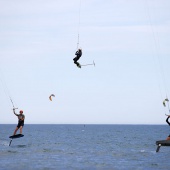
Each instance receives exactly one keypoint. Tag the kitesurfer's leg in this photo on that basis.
(20, 129)
(15, 131)
(78, 65)
(75, 61)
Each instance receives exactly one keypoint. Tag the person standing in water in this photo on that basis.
(167, 120)
(78, 55)
(21, 118)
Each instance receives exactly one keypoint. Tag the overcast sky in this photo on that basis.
(129, 41)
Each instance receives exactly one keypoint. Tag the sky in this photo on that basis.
(129, 41)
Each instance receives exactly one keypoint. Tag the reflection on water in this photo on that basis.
(9, 151)
(4, 143)
(21, 146)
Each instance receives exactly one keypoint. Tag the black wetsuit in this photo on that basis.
(167, 120)
(20, 122)
(78, 55)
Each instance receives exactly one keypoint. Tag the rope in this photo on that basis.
(79, 25)
(157, 48)
(6, 90)
(78, 42)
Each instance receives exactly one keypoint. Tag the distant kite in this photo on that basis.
(166, 100)
(51, 96)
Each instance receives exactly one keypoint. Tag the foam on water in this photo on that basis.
(4, 143)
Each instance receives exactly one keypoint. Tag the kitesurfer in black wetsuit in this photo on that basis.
(78, 55)
(167, 120)
(21, 118)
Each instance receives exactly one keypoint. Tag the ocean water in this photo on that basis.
(85, 147)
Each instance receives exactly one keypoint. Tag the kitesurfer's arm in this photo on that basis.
(14, 112)
(80, 53)
(167, 120)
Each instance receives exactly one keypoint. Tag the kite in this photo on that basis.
(52, 95)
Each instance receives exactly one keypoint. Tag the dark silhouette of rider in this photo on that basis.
(167, 120)
(78, 55)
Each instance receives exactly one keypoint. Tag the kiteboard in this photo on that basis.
(15, 137)
(162, 143)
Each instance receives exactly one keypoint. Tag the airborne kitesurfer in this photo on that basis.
(78, 55)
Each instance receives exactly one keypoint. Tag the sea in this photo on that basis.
(74, 147)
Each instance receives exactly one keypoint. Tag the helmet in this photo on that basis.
(21, 111)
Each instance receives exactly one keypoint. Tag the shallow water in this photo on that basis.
(89, 147)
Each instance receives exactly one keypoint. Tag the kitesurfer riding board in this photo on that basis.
(20, 125)
(164, 142)
(167, 120)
